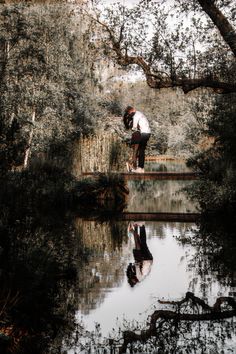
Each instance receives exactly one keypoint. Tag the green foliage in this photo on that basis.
(176, 39)
(218, 164)
(45, 78)
(112, 106)
(52, 188)
(115, 153)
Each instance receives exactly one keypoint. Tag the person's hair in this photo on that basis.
(128, 109)
(131, 275)
(128, 117)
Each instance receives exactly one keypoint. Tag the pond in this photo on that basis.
(73, 285)
(159, 196)
(108, 302)
(169, 278)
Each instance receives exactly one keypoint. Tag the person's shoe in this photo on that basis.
(130, 230)
(139, 170)
(130, 226)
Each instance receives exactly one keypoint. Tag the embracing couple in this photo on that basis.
(138, 123)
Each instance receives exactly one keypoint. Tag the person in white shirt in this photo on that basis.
(138, 121)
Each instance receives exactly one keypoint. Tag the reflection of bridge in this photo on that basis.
(171, 217)
(142, 216)
(155, 175)
(156, 216)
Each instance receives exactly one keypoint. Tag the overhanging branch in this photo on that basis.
(158, 80)
(209, 313)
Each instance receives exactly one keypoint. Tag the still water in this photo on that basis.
(108, 303)
(68, 284)
(109, 296)
(166, 166)
(169, 278)
(160, 195)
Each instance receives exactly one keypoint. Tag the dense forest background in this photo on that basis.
(56, 84)
(45, 81)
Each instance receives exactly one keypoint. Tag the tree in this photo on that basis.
(44, 79)
(174, 56)
(187, 45)
(216, 190)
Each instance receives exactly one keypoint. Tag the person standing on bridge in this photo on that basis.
(138, 122)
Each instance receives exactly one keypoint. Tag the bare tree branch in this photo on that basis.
(209, 313)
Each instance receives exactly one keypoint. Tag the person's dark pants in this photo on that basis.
(135, 148)
(141, 251)
(141, 150)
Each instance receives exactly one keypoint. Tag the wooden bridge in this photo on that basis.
(154, 175)
(142, 216)
(155, 216)
(171, 217)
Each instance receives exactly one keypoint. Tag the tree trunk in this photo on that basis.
(226, 30)
(27, 152)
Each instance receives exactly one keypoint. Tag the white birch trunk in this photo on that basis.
(8, 49)
(27, 153)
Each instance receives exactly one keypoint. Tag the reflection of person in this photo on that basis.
(138, 122)
(138, 270)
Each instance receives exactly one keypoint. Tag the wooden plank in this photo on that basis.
(154, 175)
(171, 217)
(161, 176)
(140, 216)
(165, 158)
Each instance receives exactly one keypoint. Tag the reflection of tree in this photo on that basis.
(215, 246)
(37, 275)
(158, 196)
(176, 330)
(186, 326)
(105, 261)
(169, 166)
(39, 252)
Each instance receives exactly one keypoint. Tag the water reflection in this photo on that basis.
(168, 276)
(173, 273)
(137, 271)
(214, 261)
(38, 275)
(105, 245)
(51, 268)
(164, 166)
(159, 196)
(57, 269)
